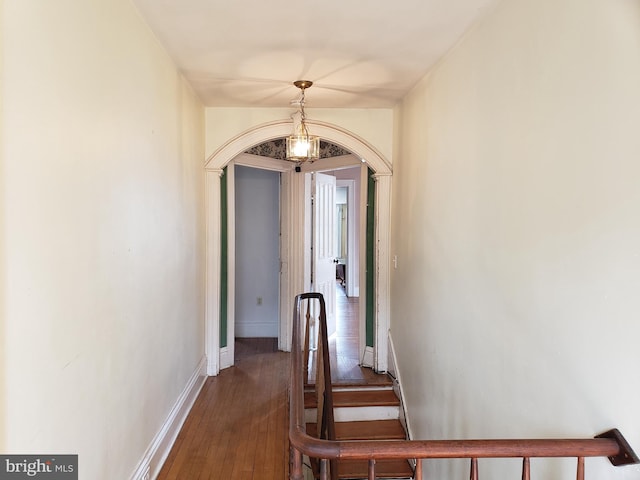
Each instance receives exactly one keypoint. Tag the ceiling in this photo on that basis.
(238, 53)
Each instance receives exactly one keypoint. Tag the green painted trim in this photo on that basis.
(224, 259)
(370, 265)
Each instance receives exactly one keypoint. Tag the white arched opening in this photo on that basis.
(292, 274)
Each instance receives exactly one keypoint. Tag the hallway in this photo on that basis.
(237, 428)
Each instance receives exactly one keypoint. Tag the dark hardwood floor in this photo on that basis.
(345, 357)
(237, 429)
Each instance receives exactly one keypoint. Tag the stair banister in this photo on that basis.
(610, 444)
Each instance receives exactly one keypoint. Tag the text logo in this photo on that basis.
(49, 467)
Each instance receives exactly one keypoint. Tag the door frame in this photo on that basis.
(292, 246)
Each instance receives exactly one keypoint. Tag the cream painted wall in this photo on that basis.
(515, 220)
(374, 125)
(102, 199)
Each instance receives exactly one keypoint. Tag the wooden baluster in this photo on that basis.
(580, 473)
(372, 469)
(307, 351)
(333, 464)
(324, 469)
(526, 469)
(296, 465)
(418, 472)
(473, 474)
(320, 394)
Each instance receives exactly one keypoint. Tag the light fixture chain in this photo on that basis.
(302, 146)
(303, 116)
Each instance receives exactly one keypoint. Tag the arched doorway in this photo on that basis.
(292, 281)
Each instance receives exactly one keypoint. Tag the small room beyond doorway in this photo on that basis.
(257, 255)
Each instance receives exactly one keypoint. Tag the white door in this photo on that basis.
(324, 267)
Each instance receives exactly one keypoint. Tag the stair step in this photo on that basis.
(356, 414)
(371, 430)
(355, 469)
(379, 379)
(383, 381)
(357, 398)
(384, 469)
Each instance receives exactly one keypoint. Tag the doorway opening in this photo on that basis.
(339, 276)
(257, 256)
(293, 267)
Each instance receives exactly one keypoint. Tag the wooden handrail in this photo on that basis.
(322, 385)
(610, 444)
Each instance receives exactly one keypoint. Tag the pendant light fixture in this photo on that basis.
(301, 146)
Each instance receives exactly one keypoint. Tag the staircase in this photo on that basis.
(347, 412)
(354, 431)
(362, 412)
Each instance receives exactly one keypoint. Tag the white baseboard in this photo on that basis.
(226, 358)
(367, 358)
(393, 369)
(153, 459)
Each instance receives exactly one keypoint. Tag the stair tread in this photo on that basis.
(384, 469)
(365, 430)
(380, 380)
(383, 381)
(357, 398)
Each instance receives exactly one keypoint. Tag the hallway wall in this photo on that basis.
(515, 221)
(102, 208)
